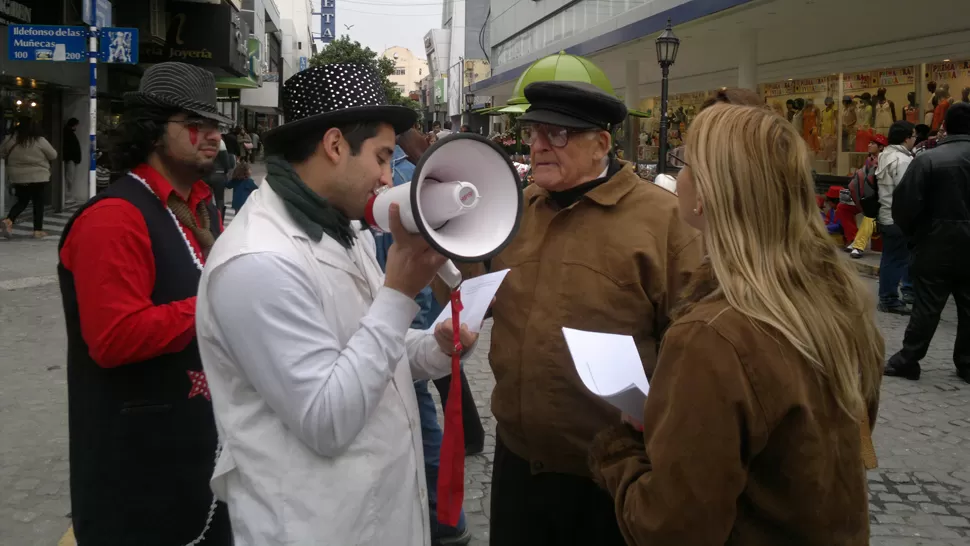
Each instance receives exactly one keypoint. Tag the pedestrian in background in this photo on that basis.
(29, 157)
(242, 185)
(223, 165)
(71, 153)
(751, 433)
(931, 206)
(894, 262)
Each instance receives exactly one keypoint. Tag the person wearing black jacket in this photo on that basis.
(216, 180)
(931, 206)
(71, 152)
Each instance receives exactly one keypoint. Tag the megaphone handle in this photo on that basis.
(450, 274)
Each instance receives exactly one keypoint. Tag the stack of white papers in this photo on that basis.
(476, 296)
(610, 367)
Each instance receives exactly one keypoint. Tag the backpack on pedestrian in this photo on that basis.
(864, 190)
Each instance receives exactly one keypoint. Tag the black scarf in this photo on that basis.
(310, 211)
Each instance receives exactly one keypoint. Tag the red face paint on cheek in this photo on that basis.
(193, 135)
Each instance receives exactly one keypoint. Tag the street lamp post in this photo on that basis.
(667, 46)
(469, 101)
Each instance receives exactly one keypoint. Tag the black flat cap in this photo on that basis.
(576, 105)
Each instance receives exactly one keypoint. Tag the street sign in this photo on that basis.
(47, 43)
(118, 45)
(102, 14)
(303, 64)
(96, 13)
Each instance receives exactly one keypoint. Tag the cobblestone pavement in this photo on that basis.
(920, 493)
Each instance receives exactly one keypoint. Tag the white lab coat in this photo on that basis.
(323, 450)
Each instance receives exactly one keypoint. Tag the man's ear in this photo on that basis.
(332, 145)
(604, 142)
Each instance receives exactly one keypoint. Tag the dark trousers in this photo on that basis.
(547, 509)
(931, 290)
(893, 266)
(29, 193)
(470, 420)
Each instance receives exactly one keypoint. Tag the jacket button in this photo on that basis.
(537, 466)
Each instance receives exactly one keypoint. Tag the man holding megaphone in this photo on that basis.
(305, 344)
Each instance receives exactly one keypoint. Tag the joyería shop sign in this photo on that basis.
(203, 35)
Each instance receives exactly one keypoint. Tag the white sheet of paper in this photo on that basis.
(476, 296)
(610, 367)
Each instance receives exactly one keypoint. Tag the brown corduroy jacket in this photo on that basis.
(613, 262)
(743, 444)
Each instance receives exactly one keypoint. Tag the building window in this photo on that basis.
(420, 71)
(561, 25)
(400, 88)
(399, 71)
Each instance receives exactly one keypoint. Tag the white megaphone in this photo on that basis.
(465, 199)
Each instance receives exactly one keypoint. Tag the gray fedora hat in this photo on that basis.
(181, 86)
(336, 94)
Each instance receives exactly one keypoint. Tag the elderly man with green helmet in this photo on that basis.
(598, 249)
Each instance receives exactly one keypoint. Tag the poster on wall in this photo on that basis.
(897, 76)
(327, 21)
(949, 70)
(855, 82)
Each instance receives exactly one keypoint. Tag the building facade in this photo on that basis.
(786, 49)
(456, 53)
(409, 69)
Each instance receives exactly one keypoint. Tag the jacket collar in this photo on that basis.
(954, 138)
(327, 250)
(608, 193)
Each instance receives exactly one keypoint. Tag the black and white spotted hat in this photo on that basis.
(333, 95)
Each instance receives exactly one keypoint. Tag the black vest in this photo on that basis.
(141, 451)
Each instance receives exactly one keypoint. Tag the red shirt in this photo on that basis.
(110, 255)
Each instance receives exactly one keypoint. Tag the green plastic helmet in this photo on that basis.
(561, 67)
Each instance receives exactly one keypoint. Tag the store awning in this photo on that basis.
(236, 83)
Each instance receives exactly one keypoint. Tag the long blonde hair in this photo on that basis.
(770, 253)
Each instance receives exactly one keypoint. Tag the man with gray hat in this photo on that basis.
(597, 249)
(142, 435)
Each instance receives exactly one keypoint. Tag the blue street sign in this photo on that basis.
(118, 45)
(47, 43)
(303, 63)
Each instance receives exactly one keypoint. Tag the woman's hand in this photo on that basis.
(444, 334)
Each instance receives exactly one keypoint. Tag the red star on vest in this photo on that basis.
(199, 385)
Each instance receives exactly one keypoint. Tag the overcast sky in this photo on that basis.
(380, 24)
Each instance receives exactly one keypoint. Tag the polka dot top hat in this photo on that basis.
(337, 94)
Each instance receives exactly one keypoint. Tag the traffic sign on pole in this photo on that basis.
(119, 45)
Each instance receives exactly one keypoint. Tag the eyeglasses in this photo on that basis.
(675, 158)
(557, 136)
(202, 125)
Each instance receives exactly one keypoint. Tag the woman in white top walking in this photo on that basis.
(29, 157)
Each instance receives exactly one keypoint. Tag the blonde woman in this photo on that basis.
(751, 433)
